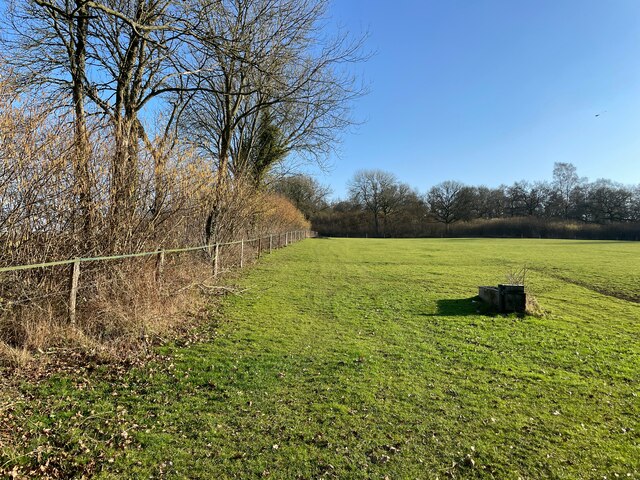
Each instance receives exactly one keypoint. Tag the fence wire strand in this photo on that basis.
(211, 248)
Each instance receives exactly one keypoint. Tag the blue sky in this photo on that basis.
(494, 91)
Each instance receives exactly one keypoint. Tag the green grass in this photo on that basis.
(369, 359)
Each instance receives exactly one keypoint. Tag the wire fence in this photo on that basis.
(249, 249)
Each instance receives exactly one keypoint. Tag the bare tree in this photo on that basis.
(525, 198)
(121, 56)
(269, 66)
(565, 184)
(378, 192)
(450, 202)
(135, 44)
(48, 48)
(271, 57)
(488, 202)
(608, 201)
(304, 191)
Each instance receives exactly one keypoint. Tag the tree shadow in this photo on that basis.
(460, 307)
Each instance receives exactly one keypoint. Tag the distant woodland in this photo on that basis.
(566, 206)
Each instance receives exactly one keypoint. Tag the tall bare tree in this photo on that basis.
(378, 192)
(565, 183)
(450, 202)
(48, 48)
(268, 58)
(121, 56)
(135, 45)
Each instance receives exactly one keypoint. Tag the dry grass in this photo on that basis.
(12, 357)
(118, 317)
(123, 310)
(533, 307)
(517, 276)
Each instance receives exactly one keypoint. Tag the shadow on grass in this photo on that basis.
(460, 307)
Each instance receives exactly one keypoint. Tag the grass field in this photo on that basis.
(369, 359)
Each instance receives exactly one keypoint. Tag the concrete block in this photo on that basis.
(505, 298)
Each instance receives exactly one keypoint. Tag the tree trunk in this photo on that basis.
(123, 183)
(81, 138)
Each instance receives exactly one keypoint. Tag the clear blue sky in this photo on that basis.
(494, 91)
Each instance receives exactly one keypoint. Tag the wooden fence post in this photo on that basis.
(270, 243)
(215, 260)
(242, 253)
(159, 265)
(73, 294)
(286, 239)
(259, 246)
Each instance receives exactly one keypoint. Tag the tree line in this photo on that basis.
(129, 123)
(568, 205)
(161, 106)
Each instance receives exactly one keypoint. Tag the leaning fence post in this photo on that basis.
(242, 253)
(215, 260)
(75, 276)
(159, 265)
